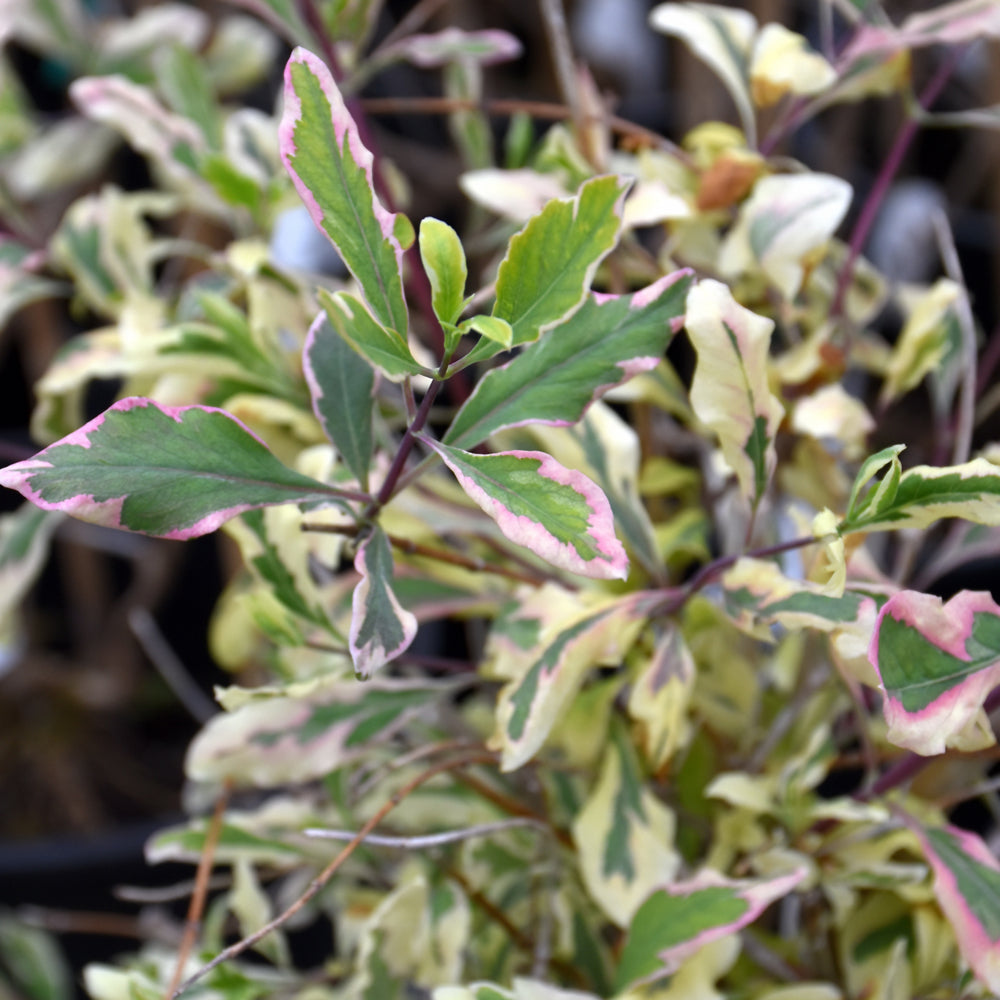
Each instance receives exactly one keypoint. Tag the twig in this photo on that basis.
(894, 160)
(412, 548)
(962, 444)
(200, 894)
(676, 597)
(169, 666)
(413, 21)
(545, 110)
(327, 873)
(418, 843)
(554, 19)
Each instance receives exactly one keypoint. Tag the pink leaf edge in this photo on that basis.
(948, 627)
(522, 530)
(343, 124)
(107, 513)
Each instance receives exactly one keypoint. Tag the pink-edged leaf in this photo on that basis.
(341, 383)
(134, 110)
(454, 45)
(158, 470)
(967, 887)
(607, 341)
(332, 171)
(561, 515)
(677, 921)
(937, 663)
(380, 628)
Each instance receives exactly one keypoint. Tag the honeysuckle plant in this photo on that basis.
(707, 727)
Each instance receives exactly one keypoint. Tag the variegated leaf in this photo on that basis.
(342, 384)
(380, 627)
(660, 696)
(557, 513)
(721, 37)
(925, 494)
(380, 345)
(549, 265)
(936, 663)
(606, 342)
(268, 742)
(785, 219)
(730, 391)
(967, 887)
(624, 835)
(530, 705)
(332, 171)
(454, 45)
(164, 471)
(675, 922)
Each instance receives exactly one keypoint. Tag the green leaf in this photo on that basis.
(164, 471)
(925, 494)
(35, 962)
(342, 384)
(551, 262)
(497, 331)
(380, 628)
(557, 513)
(332, 171)
(678, 921)
(184, 81)
(606, 342)
(444, 261)
(383, 347)
(870, 468)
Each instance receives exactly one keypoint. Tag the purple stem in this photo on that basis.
(406, 446)
(676, 597)
(876, 196)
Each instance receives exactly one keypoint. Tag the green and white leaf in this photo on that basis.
(271, 741)
(730, 391)
(624, 835)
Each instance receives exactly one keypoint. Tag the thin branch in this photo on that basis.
(554, 19)
(879, 190)
(676, 597)
(545, 110)
(410, 547)
(962, 444)
(169, 666)
(419, 843)
(235, 950)
(200, 894)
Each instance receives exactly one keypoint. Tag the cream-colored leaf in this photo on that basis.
(625, 836)
(923, 341)
(783, 64)
(832, 414)
(722, 37)
(730, 392)
(785, 220)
